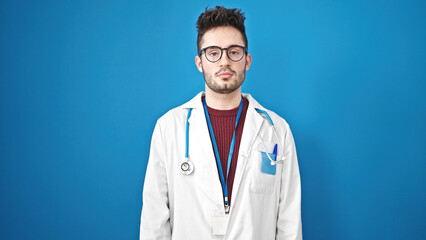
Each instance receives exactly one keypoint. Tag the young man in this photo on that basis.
(221, 166)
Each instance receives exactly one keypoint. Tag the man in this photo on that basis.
(221, 166)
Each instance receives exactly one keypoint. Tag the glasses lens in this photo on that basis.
(213, 54)
(235, 53)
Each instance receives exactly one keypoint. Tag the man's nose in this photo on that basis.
(224, 60)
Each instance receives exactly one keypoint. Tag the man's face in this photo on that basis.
(225, 75)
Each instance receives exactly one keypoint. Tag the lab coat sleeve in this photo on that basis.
(289, 224)
(155, 218)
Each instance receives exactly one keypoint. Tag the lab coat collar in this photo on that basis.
(195, 102)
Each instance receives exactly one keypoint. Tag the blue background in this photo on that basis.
(83, 82)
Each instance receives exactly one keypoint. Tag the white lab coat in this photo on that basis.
(177, 206)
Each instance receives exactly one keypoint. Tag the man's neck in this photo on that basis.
(223, 101)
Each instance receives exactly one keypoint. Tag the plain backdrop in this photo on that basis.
(82, 84)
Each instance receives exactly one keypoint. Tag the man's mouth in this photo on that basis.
(225, 75)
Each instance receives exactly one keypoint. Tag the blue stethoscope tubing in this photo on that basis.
(273, 162)
(187, 167)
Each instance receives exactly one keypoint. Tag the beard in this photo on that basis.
(224, 86)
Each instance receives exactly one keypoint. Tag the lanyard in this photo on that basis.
(216, 152)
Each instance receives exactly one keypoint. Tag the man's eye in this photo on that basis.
(235, 52)
(213, 54)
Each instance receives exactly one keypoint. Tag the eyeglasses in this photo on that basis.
(214, 53)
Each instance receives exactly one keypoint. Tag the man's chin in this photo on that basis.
(224, 90)
(223, 85)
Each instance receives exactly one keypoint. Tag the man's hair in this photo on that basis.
(219, 17)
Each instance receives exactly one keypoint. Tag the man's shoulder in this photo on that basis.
(180, 112)
(276, 119)
(279, 122)
(172, 115)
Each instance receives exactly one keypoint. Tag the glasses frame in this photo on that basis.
(221, 52)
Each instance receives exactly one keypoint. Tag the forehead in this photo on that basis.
(222, 37)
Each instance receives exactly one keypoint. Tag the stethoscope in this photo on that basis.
(187, 167)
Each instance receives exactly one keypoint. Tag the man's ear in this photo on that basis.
(198, 63)
(248, 61)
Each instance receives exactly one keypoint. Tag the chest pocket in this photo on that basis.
(264, 175)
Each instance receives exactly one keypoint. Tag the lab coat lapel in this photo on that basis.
(203, 156)
(252, 126)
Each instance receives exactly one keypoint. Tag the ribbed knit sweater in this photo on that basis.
(223, 122)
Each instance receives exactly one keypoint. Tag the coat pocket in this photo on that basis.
(263, 174)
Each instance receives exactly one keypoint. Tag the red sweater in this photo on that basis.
(223, 122)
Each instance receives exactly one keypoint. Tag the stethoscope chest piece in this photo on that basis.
(187, 167)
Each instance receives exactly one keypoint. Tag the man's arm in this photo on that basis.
(155, 219)
(289, 225)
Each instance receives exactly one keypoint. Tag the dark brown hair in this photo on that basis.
(218, 17)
